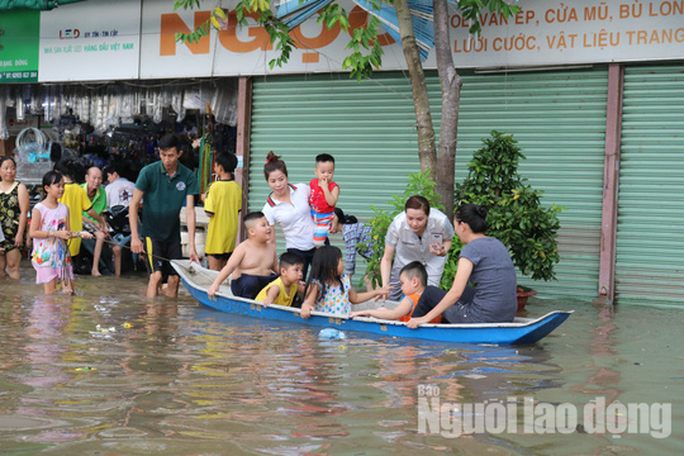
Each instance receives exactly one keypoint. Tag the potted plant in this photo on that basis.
(516, 216)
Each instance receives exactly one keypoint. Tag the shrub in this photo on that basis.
(418, 184)
(516, 216)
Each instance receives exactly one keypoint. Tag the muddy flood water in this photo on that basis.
(109, 372)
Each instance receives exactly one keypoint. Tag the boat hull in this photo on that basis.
(525, 331)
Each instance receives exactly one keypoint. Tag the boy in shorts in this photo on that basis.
(222, 204)
(253, 261)
(282, 290)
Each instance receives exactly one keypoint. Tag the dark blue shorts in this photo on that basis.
(248, 286)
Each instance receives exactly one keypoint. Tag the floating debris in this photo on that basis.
(331, 334)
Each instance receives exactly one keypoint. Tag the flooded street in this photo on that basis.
(109, 372)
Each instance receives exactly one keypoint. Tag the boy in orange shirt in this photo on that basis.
(413, 278)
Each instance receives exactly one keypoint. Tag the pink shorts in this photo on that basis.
(46, 274)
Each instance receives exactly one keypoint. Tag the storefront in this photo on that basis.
(650, 232)
(114, 121)
(558, 117)
(592, 92)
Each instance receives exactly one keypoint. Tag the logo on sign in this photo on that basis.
(69, 34)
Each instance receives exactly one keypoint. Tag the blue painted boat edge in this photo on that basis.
(495, 334)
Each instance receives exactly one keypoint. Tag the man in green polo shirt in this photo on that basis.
(165, 186)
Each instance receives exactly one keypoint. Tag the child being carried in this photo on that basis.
(323, 197)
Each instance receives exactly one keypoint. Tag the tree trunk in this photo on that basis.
(426, 131)
(451, 97)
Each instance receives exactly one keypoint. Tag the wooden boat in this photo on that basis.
(521, 331)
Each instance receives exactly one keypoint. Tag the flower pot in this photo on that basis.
(523, 294)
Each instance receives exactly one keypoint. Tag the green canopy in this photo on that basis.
(43, 5)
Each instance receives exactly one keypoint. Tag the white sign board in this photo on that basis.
(239, 50)
(102, 39)
(573, 32)
(89, 41)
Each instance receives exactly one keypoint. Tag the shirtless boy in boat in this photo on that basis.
(252, 262)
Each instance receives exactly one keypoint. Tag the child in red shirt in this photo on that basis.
(323, 197)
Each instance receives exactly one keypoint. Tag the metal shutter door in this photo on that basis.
(557, 117)
(650, 241)
(367, 127)
(559, 120)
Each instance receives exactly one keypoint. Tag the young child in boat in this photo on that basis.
(413, 278)
(252, 262)
(328, 289)
(50, 232)
(282, 290)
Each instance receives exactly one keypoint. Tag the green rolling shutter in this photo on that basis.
(559, 120)
(367, 127)
(650, 241)
(557, 117)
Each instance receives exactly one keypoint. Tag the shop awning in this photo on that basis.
(43, 5)
(421, 15)
(294, 12)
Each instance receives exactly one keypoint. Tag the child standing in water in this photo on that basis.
(323, 197)
(50, 231)
(329, 289)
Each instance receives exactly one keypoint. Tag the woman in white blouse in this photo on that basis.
(417, 234)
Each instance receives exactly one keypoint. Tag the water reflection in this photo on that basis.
(111, 372)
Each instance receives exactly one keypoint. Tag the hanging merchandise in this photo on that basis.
(224, 102)
(107, 105)
(4, 131)
(19, 109)
(32, 155)
(177, 105)
(206, 163)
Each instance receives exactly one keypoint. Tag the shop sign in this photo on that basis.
(102, 40)
(543, 33)
(89, 41)
(19, 46)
